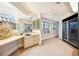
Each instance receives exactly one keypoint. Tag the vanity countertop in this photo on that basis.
(10, 39)
(31, 34)
(14, 38)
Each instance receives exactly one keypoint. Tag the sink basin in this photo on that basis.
(27, 34)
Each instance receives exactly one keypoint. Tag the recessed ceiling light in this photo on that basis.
(58, 2)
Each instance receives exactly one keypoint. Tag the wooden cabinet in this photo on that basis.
(30, 40)
(35, 39)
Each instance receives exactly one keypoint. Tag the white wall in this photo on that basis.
(60, 30)
(52, 33)
(24, 20)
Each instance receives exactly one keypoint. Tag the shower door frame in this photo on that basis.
(67, 19)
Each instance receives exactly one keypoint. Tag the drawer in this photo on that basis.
(36, 36)
(28, 41)
(35, 41)
(28, 38)
(28, 44)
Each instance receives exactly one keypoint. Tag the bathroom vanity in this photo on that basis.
(30, 40)
(11, 44)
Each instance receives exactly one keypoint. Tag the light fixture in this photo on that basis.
(58, 2)
(0, 18)
(74, 6)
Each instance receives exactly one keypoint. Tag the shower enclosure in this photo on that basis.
(70, 30)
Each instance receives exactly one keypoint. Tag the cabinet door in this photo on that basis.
(35, 39)
(28, 41)
(26, 44)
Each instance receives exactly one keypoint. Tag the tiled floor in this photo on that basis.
(50, 47)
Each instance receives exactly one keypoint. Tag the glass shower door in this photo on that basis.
(73, 31)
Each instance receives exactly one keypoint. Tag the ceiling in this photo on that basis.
(52, 10)
(41, 7)
(45, 7)
(7, 8)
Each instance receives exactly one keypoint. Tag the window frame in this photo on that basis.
(45, 25)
